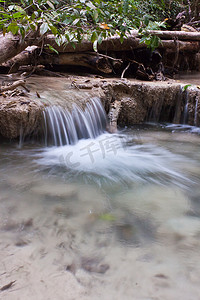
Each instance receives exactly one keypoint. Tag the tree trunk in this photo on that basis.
(11, 45)
(129, 43)
(91, 60)
(171, 35)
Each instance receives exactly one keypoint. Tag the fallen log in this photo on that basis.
(173, 45)
(90, 60)
(130, 42)
(171, 35)
(11, 45)
(93, 60)
(26, 57)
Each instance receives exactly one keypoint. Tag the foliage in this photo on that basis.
(161, 9)
(185, 87)
(73, 20)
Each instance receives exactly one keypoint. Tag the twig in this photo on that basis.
(73, 84)
(192, 23)
(7, 286)
(136, 62)
(110, 57)
(122, 76)
(12, 86)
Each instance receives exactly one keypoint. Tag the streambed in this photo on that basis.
(116, 217)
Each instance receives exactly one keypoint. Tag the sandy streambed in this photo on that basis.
(69, 234)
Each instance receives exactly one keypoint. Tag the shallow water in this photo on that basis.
(120, 214)
(191, 77)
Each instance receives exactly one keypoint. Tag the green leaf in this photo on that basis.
(121, 38)
(58, 41)
(185, 87)
(33, 26)
(75, 22)
(125, 6)
(100, 39)
(22, 31)
(146, 20)
(154, 42)
(91, 5)
(50, 4)
(53, 29)
(94, 36)
(13, 27)
(73, 45)
(44, 28)
(95, 15)
(143, 39)
(95, 46)
(17, 15)
(52, 49)
(17, 8)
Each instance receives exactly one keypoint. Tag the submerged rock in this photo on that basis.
(56, 190)
(93, 265)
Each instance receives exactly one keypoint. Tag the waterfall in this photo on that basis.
(185, 113)
(196, 111)
(62, 127)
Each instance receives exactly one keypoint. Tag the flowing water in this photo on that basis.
(103, 217)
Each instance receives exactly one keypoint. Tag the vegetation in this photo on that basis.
(71, 21)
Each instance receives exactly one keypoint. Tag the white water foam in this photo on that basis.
(113, 157)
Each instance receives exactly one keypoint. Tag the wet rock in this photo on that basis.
(71, 268)
(161, 276)
(127, 233)
(150, 101)
(140, 101)
(16, 119)
(135, 230)
(54, 190)
(132, 111)
(12, 225)
(85, 86)
(113, 114)
(21, 242)
(93, 265)
(63, 211)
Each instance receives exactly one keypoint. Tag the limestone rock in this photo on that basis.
(19, 115)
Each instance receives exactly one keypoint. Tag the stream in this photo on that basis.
(111, 217)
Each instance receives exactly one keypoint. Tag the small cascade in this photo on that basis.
(62, 127)
(196, 112)
(155, 113)
(185, 112)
